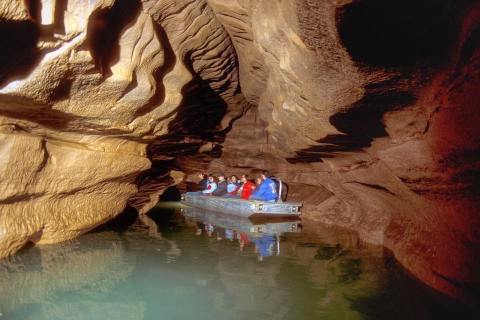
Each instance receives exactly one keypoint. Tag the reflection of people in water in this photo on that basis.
(220, 233)
(209, 229)
(243, 240)
(229, 234)
(198, 229)
(264, 245)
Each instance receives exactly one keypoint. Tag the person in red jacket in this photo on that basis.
(247, 187)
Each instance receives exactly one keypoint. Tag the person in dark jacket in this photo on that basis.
(211, 186)
(203, 181)
(221, 186)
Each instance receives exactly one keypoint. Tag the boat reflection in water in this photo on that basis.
(263, 233)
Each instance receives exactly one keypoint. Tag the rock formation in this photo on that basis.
(85, 90)
(366, 108)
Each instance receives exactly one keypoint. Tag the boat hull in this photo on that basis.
(244, 208)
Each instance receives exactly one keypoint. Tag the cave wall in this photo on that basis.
(84, 91)
(368, 109)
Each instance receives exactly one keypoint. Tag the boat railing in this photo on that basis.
(282, 189)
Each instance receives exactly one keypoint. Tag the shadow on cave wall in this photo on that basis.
(411, 38)
(400, 34)
(20, 56)
(103, 32)
(19, 53)
(360, 123)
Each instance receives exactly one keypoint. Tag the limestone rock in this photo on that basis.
(84, 91)
(380, 116)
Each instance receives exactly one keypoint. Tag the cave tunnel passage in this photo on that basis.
(171, 194)
(120, 223)
(197, 121)
(399, 33)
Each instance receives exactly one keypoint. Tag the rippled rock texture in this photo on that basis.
(366, 108)
(86, 86)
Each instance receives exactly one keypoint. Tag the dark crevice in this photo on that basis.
(470, 288)
(373, 186)
(63, 89)
(34, 8)
(21, 198)
(171, 194)
(197, 122)
(120, 223)
(59, 18)
(399, 34)
(46, 156)
(472, 45)
(201, 111)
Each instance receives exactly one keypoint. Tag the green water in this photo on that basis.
(170, 267)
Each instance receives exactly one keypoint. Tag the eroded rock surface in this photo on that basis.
(84, 91)
(367, 108)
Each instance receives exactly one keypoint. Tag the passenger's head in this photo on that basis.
(258, 180)
(264, 174)
(211, 178)
(201, 176)
(244, 178)
(233, 179)
(221, 177)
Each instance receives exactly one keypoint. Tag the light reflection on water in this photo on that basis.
(209, 266)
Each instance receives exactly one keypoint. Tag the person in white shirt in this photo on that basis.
(211, 186)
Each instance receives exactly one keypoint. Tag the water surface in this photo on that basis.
(212, 266)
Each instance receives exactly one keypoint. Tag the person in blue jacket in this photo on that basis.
(266, 191)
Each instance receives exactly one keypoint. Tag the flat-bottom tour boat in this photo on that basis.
(240, 207)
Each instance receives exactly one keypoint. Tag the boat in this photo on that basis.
(242, 224)
(240, 207)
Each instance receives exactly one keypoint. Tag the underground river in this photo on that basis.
(179, 263)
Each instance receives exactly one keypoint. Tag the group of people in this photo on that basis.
(263, 189)
(264, 243)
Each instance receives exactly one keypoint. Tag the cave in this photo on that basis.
(366, 109)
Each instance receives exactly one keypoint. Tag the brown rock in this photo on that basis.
(104, 79)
